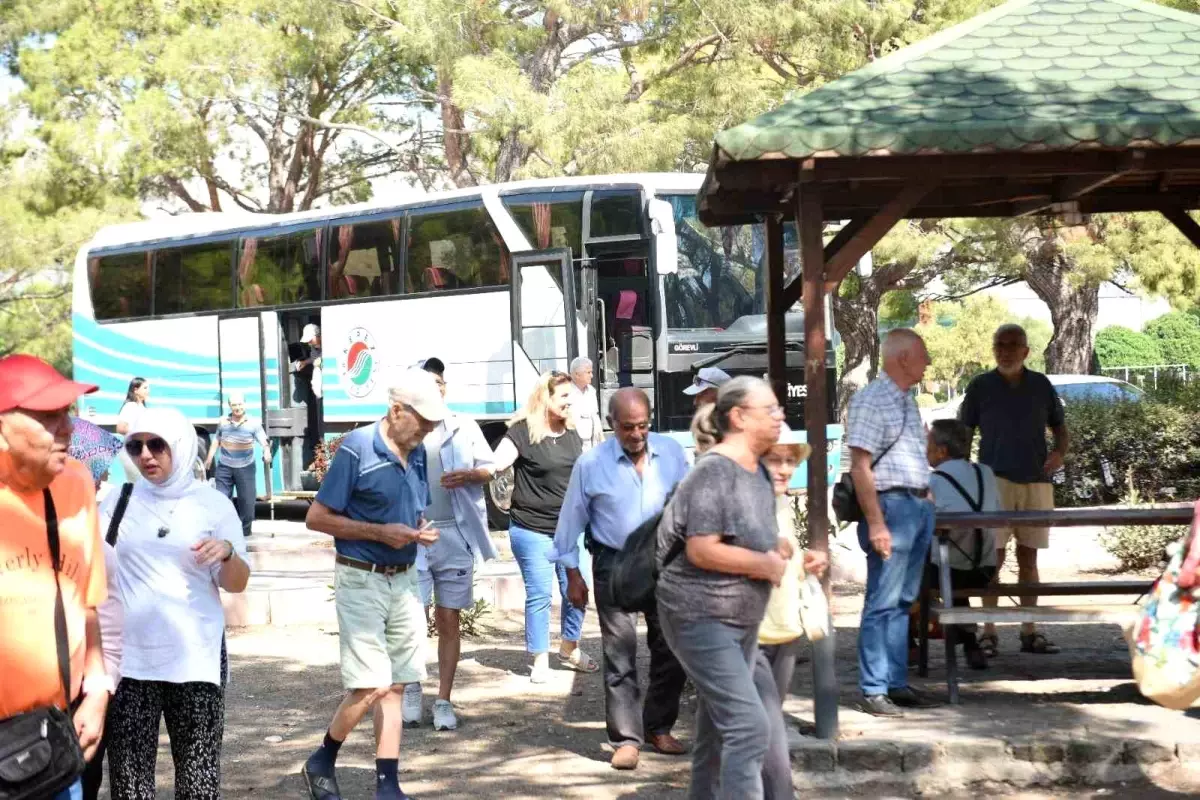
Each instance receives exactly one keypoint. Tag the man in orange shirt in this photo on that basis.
(35, 429)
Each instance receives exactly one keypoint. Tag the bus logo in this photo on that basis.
(360, 363)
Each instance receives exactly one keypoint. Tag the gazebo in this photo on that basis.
(1060, 107)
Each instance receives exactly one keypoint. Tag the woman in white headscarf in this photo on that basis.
(178, 542)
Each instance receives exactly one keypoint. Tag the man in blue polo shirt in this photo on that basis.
(372, 502)
(615, 487)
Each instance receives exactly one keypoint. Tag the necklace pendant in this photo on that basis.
(163, 531)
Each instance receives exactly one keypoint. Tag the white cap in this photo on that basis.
(237, 398)
(707, 378)
(418, 390)
(310, 334)
(789, 437)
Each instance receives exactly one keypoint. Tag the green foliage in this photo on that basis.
(1130, 451)
(1141, 546)
(1177, 335)
(1118, 346)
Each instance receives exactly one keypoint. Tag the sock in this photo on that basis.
(387, 781)
(322, 761)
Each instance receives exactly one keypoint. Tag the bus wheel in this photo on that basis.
(499, 498)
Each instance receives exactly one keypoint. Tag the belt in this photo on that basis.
(367, 566)
(920, 494)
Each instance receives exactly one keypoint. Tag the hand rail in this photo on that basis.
(1068, 517)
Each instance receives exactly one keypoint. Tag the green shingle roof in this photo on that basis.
(1028, 75)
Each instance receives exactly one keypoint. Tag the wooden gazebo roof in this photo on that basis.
(1035, 106)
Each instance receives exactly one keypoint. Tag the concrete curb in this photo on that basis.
(925, 767)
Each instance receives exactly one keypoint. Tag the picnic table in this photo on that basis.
(949, 616)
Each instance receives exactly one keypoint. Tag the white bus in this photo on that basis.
(500, 282)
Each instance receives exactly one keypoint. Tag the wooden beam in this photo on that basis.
(846, 234)
(839, 266)
(1186, 225)
(1067, 189)
(776, 334)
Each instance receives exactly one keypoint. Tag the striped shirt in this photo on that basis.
(235, 441)
(878, 413)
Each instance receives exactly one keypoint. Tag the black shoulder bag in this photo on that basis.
(114, 524)
(976, 507)
(845, 496)
(39, 750)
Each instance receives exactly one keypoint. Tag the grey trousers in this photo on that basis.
(731, 721)
(773, 670)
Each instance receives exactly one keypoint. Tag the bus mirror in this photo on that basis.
(662, 227)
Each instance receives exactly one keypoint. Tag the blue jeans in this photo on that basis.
(892, 586)
(733, 724)
(241, 480)
(531, 549)
(72, 792)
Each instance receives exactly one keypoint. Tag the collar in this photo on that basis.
(384, 451)
(621, 455)
(237, 421)
(891, 386)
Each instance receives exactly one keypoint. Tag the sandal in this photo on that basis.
(1037, 643)
(989, 644)
(578, 661)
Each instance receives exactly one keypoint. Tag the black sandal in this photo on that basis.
(1038, 643)
(320, 787)
(989, 644)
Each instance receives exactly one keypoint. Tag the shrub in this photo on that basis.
(1141, 546)
(1178, 337)
(926, 401)
(1118, 346)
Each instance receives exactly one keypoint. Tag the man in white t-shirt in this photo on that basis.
(458, 464)
(584, 404)
(958, 485)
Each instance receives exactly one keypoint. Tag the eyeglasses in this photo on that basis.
(156, 446)
(772, 410)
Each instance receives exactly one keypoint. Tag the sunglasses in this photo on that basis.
(156, 446)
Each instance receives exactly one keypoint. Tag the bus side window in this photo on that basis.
(121, 287)
(454, 250)
(193, 279)
(363, 260)
(278, 270)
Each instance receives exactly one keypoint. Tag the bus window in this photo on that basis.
(616, 214)
(120, 285)
(193, 279)
(549, 224)
(454, 250)
(279, 270)
(364, 259)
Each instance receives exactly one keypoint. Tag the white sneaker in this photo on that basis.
(443, 716)
(410, 712)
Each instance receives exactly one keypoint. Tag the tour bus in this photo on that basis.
(500, 282)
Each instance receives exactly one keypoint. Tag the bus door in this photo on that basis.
(544, 332)
(250, 365)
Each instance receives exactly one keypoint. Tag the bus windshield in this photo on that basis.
(722, 271)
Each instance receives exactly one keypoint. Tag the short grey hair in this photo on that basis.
(579, 363)
(1011, 327)
(952, 435)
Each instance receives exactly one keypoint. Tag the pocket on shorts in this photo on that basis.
(349, 578)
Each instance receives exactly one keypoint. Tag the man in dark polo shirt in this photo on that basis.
(372, 502)
(1012, 407)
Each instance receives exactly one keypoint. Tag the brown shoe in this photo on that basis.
(666, 744)
(626, 757)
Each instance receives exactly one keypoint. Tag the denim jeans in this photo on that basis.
(732, 722)
(531, 550)
(892, 586)
(242, 481)
(72, 792)
(773, 670)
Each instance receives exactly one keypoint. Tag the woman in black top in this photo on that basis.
(541, 445)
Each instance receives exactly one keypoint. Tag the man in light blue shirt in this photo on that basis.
(614, 488)
(236, 437)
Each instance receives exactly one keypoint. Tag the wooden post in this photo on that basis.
(776, 333)
(810, 226)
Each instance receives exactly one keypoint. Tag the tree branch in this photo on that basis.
(177, 188)
(685, 58)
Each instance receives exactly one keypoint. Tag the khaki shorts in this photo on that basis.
(1025, 497)
(381, 624)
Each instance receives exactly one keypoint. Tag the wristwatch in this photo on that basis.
(99, 683)
(231, 551)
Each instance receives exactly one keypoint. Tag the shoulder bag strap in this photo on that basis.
(976, 507)
(60, 612)
(903, 422)
(978, 539)
(114, 525)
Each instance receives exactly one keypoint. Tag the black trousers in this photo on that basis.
(628, 718)
(239, 480)
(964, 579)
(93, 773)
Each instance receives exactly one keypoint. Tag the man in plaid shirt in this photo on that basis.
(891, 479)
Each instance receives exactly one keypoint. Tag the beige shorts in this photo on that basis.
(381, 624)
(1025, 497)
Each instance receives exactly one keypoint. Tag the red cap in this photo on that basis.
(28, 382)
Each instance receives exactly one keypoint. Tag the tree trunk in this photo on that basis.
(1074, 305)
(857, 321)
(456, 144)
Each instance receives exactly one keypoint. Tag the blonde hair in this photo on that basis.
(536, 411)
(704, 428)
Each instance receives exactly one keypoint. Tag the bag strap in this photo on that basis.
(679, 544)
(888, 449)
(60, 611)
(976, 506)
(114, 525)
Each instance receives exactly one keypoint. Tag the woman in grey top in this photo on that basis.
(720, 553)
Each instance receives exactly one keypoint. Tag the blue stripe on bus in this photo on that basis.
(123, 343)
(360, 410)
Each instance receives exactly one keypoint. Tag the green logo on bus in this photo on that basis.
(360, 363)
